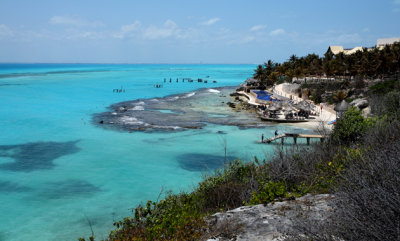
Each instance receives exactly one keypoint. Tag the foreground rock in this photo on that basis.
(268, 222)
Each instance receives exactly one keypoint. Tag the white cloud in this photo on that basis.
(128, 30)
(277, 32)
(131, 27)
(167, 30)
(74, 21)
(348, 38)
(210, 21)
(243, 40)
(5, 31)
(331, 38)
(257, 27)
(170, 24)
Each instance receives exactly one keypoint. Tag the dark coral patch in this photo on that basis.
(69, 188)
(202, 162)
(6, 186)
(36, 155)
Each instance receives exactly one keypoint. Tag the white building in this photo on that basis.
(382, 42)
(339, 49)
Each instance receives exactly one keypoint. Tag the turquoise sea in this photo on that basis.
(59, 172)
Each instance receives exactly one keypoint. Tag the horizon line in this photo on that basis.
(124, 63)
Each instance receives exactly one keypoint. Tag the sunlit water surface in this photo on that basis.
(59, 171)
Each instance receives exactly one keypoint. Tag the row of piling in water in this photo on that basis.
(189, 80)
(199, 80)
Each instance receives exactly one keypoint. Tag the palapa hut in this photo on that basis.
(340, 108)
(289, 112)
(305, 109)
(272, 109)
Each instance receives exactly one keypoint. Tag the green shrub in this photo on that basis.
(268, 193)
(384, 87)
(350, 127)
(392, 104)
(227, 188)
(177, 217)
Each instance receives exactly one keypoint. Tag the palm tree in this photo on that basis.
(339, 96)
(259, 73)
(292, 60)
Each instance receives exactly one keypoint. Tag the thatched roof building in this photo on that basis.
(340, 108)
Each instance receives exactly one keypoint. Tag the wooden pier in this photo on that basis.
(294, 136)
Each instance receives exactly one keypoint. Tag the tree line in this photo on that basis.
(369, 63)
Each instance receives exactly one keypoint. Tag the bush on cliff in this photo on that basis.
(351, 127)
(367, 197)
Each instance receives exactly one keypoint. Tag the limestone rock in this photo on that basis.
(366, 112)
(269, 222)
(360, 103)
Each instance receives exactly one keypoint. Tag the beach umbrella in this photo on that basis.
(300, 106)
(287, 112)
(289, 108)
(303, 102)
(273, 108)
(342, 106)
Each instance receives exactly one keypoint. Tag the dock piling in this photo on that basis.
(295, 136)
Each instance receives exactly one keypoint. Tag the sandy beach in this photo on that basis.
(320, 123)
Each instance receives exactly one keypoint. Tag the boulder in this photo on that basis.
(366, 112)
(360, 103)
(271, 222)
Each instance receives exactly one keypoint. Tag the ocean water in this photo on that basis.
(59, 172)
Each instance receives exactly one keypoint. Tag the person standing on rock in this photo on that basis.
(262, 138)
(276, 133)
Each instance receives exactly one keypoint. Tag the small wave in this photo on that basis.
(167, 127)
(139, 107)
(114, 113)
(154, 100)
(213, 91)
(190, 95)
(130, 120)
(140, 103)
(174, 98)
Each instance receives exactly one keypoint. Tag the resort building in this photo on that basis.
(339, 49)
(382, 42)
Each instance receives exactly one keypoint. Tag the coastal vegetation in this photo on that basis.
(358, 164)
(362, 65)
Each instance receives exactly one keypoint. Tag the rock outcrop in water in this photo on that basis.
(176, 113)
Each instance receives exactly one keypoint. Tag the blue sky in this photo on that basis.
(206, 31)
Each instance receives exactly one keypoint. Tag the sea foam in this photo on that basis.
(213, 91)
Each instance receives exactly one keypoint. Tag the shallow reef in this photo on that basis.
(177, 112)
